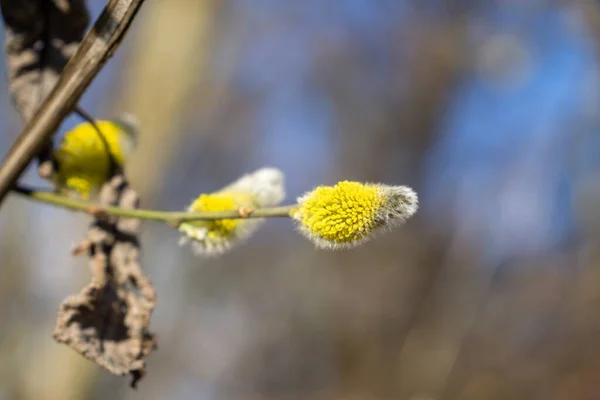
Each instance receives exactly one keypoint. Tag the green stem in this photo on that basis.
(151, 215)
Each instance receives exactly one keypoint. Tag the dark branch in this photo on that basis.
(96, 48)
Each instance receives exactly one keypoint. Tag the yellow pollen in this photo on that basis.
(83, 159)
(343, 214)
(216, 202)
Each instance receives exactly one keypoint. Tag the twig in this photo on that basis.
(95, 49)
(162, 216)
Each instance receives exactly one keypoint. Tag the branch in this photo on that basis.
(95, 49)
(162, 216)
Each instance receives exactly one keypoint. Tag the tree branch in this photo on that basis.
(161, 216)
(95, 49)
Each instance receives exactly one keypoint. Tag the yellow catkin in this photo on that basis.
(222, 228)
(340, 215)
(82, 156)
(261, 188)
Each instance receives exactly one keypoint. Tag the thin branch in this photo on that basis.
(95, 49)
(162, 216)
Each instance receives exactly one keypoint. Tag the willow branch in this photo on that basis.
(152, 215)
(95, 49)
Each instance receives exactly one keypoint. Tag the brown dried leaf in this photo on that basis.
(40, 37)
(107, 322)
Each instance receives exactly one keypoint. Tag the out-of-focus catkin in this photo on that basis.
(262, 188)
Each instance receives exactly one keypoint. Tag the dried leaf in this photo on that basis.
(40, 37)
(107, 322)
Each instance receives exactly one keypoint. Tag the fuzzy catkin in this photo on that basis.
(347, 214)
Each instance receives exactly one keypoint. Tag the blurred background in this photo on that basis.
(490, 110)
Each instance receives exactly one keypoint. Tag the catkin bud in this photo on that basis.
(347, 214)
(263, 188)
